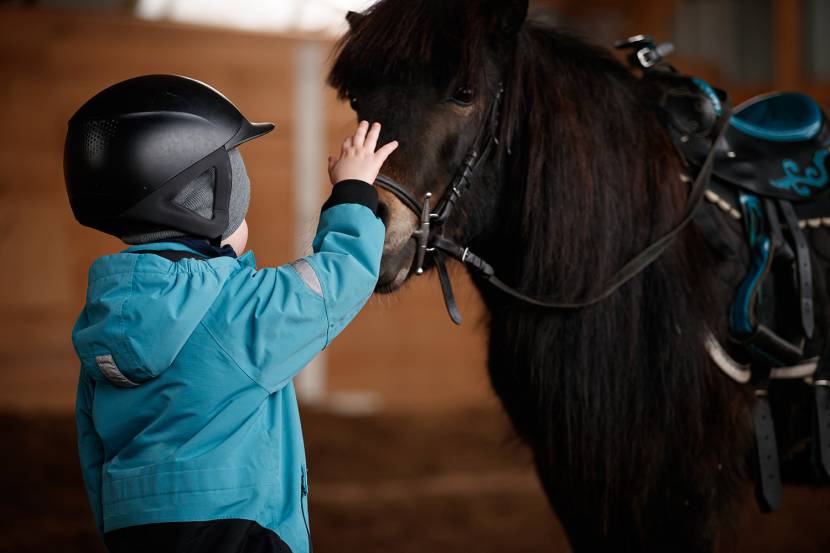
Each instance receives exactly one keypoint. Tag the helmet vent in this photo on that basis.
(98, 134)
(197, 195)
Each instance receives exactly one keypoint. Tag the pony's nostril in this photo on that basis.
(383, 213)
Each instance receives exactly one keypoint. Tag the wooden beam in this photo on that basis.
(788, 45)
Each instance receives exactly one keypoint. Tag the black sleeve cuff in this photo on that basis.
(353, 192)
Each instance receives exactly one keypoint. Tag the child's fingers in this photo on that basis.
(383, 153)
(372, 137)
(346, 145)
(332, 163)
(360, 134)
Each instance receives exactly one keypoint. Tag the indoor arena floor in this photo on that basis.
(448, 482)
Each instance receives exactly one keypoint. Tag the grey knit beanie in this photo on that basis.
(197, 196)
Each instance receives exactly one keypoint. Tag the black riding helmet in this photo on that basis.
(134, 146)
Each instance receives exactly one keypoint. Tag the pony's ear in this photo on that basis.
(354, 18)
(507, 16)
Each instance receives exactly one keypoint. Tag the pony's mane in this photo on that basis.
(596, 164)
(594, 179)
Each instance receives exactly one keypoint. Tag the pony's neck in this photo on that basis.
(592, 178)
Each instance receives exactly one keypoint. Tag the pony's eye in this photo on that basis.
(353, 102)
(463, 96)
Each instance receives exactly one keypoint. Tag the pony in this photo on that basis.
(639, 441)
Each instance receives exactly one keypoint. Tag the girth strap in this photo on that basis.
(768, 477)
(805, 275)
(768, 471)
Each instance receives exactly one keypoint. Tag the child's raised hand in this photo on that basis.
(358, 158)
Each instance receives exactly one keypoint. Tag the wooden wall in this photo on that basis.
(607, 20)
(402, 348)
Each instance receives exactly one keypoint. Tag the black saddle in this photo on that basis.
(777, 146)
(771, 168)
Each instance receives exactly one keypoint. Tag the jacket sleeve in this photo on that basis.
(279, 319)
(90, 448)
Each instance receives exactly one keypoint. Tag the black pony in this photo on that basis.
(639, 440)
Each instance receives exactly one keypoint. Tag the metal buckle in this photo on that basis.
(648, 57)
(422, 235)
(646, 53)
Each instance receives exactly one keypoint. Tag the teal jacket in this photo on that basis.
(186, 409)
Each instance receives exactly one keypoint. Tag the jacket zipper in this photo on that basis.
(303, 508)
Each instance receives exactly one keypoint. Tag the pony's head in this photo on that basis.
(584, 175)
(428, 70)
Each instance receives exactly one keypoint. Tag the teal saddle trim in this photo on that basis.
(779, 117)
(804, 183)
(741, 316)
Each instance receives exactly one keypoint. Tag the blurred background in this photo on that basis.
(408, 449)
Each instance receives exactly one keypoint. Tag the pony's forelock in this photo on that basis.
(387, 45)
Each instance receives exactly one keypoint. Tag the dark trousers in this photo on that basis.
(215, 536)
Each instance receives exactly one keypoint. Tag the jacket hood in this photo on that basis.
(141, 310)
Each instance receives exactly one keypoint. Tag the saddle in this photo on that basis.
(771, 167)
(771, 170)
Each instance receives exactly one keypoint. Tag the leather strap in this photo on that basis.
(821, 390)
(479, 153)
(768, 477)
(821, 429)
(446, 289)
(768, 472)
(783, 252)
(402, 193)
(805, 274)
(767, 347)
(631, 269)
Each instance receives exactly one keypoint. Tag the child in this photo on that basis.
(188, 428)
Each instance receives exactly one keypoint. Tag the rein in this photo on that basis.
(430, 233)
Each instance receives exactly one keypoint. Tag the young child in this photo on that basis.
(188, 428)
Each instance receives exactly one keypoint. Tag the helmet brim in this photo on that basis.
(249, 131)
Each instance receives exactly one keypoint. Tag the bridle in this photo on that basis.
(430, 236)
